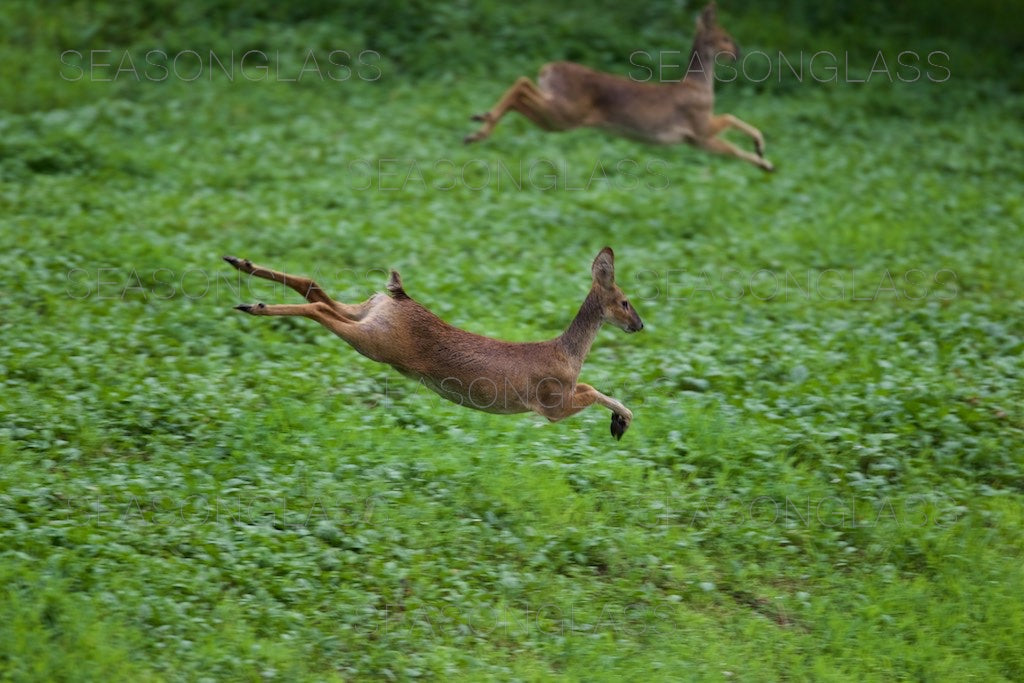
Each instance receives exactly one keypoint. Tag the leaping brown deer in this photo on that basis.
(468, 369)
(569, 95)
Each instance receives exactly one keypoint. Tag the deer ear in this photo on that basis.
(709, 16)
(604, 268)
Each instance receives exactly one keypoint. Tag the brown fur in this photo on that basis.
(475, 371)
(569, 95)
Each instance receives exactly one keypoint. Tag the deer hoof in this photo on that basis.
(252, 309)
(478, 117)
(619, 426)
(240, 263)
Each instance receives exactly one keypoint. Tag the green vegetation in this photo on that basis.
(824, 477)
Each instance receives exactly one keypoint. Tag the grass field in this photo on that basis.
(824, 479)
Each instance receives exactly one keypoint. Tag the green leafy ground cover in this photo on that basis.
(824, 475)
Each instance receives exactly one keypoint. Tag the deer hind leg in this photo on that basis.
(720, 146)
(584, 395)
(319, 311)
(725, 121)
(303, 285)
(523, 97)
(309, 289)
(364, 339)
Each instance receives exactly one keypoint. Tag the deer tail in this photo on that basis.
(395, 286)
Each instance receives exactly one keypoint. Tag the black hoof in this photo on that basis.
(238, 262)
(619, 426)
(478, 117)
(249, 308)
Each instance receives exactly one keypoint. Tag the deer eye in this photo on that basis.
(625, 305)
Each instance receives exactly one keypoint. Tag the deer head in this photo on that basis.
(615, 306)
(713, 39)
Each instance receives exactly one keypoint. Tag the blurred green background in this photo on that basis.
(439, 40)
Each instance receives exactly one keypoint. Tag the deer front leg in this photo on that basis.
(720, 146)
(523, 97)
(584, 395)
(720, 123)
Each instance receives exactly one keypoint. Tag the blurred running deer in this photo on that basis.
(572, 96)
(465, 368)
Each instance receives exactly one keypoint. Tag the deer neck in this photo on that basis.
(582, 331)
(701, 67)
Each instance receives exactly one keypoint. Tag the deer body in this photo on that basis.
(469, 369)
(569, 95)
(646, 112)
